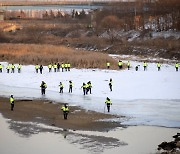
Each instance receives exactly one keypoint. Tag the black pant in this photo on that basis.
(12, 70)
(0, 70)
(144, 68)
(61, 90)
(7, 70)
(19, 70)
(68, 68)
(128, 67)
(41, 71)
(108, 107)
(159, 68)
(12, 106)
(110, 86)
(84, 91)
(36, 70)
(176, 68)
(120, 67)
(54, 69)
(49, 69)
(43, 91)
(70, 89)
(65, 114)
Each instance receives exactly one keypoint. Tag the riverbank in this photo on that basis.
(46, 112)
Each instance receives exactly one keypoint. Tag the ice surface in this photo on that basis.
(145, 97)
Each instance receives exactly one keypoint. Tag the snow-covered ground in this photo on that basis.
(144, 97)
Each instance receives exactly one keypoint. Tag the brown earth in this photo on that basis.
(49, 113)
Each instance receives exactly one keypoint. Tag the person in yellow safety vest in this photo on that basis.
(108, 103)
(1, 67)
(65, 110)
(62, 66)
(110, 84)
(120, 64)
(176, 66)
(158, 66)
(43, 88)
(89, 86)
(61, 85)
(8, 68)
(145, 66)
(84, 86)
(36, 68)
(19, 68)
(50, 67)
(108, 65)
(12, 67)
(55, 67)
(70, 86)
(128, 65)
(11, 100)
(68, 66)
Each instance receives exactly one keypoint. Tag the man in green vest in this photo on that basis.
(159, 66)
(108, 103)
(36, 68)
(176, 66)
(108, 65)
(50, 67)
(128, 65)
(1, 67)
(19, 68)
(120, 64)
(65, 110)
(84, 86)
(61, 85)
(43, 88)
(145, 66)
(11, 99)
(8, 68)
(68, 66)
(55, 67)
(12, 67)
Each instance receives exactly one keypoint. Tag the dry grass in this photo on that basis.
(45, 54)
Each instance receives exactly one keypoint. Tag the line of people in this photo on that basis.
(145, 64)
(56, 67)
(11, 68)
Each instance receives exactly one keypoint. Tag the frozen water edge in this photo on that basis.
(152, 112)
(145, 98)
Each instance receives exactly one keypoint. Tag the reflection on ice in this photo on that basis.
(94, 144)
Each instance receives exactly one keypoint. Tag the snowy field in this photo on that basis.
(144, 97)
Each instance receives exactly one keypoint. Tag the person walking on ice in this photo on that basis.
(36, 68)
(110, 84)
(176, 66)
(43, 88)
(108, 65)
(108, 103)
(65, 110)
(11, 99)
(159, 66)
(1, 67)
(128, 65)
(19, 68)
(70, 86)
(145, 66)
(61, 87)
(84, 86)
